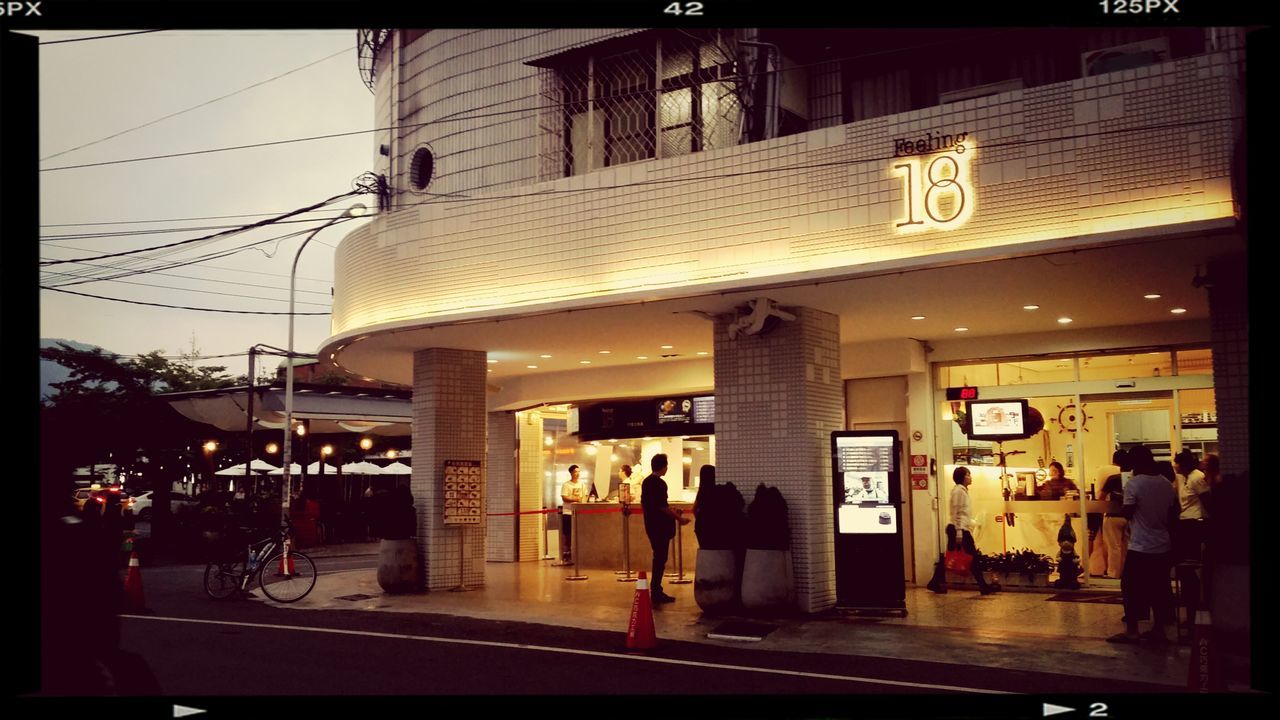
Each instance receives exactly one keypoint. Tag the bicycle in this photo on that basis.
(284, 574)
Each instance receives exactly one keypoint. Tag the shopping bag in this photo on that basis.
(958, 561)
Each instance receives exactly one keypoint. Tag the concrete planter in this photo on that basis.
(766, 579)
(716, 581)
(398, 568)
(1037, 580)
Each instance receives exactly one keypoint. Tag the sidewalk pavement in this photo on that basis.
(1006, 630)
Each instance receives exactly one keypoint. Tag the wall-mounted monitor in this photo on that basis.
(997, 419)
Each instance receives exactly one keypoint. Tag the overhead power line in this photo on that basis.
(214, 236)
(197, 107)
(177, 307)
(212, 292)
(211, 267)
(198, 279)
(98, 37)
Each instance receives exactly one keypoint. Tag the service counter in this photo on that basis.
(1017, 524)
(598, 527)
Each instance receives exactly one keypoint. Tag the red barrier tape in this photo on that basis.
(526, 512)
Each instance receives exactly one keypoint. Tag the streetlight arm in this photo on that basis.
(287, 487)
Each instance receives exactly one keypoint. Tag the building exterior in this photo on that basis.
(583, 215)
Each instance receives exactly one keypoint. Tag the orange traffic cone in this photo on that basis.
(640, 632)
(1204, 673)
(282, 570)
(133, 600)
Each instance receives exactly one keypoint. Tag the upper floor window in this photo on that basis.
(639, 98)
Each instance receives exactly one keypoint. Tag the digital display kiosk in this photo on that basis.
(867, 493)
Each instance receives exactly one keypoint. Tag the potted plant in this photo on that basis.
(766, 572)
(720, 527)
(395, 521)
(1020, 568)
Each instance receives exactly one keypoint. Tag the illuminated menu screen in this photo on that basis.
(863, 467)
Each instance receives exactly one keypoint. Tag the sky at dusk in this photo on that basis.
(126, 87)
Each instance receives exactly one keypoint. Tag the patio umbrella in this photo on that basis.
(235, 470)
(397, 468)
(363, 467)
(314, 469)
(294, 469)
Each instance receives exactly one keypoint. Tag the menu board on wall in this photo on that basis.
(674, 410)
(704, 409)
(463, 499)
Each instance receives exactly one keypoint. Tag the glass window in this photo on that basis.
(970, 375)
(1026, 372)
(1195, 362)
(1199, 412)
(1115, 367)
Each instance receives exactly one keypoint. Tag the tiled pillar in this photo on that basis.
(778, 398)
(500, 488)
(449, 423)
(1229, 542)
(529, 432)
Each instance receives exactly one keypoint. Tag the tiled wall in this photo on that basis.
(531, 479)
(1229, 319)
(778, 398)
(500, 488)
(449, 423)
(1136, 149)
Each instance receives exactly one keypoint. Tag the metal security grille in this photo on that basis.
(654, 97)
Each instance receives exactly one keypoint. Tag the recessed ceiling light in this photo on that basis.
(1064, 320)
(584, 362)
(491, 361)
(1030, 307)
(642, 357)
(667, 347)
(544, 356)
(489, 370)
(1178, 311)
(962, 329)
(704, 353)
(917, 317)
(1152, 296)
(532, 367)
(604, 352)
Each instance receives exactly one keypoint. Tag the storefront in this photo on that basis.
(1092, 404)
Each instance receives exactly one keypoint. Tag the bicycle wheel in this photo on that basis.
(287, 585)
(222, 580)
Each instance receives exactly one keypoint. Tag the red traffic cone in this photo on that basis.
(133, 599)
(640, 632)
(282, 570)
(1204, 673)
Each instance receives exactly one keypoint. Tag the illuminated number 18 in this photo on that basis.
(939, 182)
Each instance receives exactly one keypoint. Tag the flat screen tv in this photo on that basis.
(997, 419)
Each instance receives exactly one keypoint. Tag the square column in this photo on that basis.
(500, 489)
(778, 398)
(449, 423)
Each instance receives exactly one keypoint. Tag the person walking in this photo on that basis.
(659, 523)
(1152, 508)
(960, 535)
(1115, 527)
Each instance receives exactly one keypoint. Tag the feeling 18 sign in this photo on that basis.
(938, 191)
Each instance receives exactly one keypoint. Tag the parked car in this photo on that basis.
(139, 506)
(82, 496)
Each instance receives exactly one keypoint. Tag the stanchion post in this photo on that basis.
(679, 574)
(576, 575)
(560, 562)
(548, 555)
(462, 564)
(627, 575)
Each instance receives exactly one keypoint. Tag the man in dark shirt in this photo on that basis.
(658, 523)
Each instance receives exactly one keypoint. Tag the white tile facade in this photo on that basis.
(778, 398)
(500, 488)
(449, 423)
(1107, 153)
(531, 480)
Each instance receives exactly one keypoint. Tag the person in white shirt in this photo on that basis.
(960, 534)
(1151, 505)
(570, 492)
(1188, 536)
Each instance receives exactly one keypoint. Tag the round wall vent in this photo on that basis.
(421, 168)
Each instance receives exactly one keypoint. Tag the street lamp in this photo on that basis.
(286, 489)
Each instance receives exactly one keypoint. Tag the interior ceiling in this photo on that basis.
(1099, 287)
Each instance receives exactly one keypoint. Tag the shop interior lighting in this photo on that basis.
(491, 362)
(545, 357)
(1030, 307)
(1178, 311)
(667, 347)
(962, 329)
(1152, 296)
(688, 460)
(917, 317)
(532, 367)
(591, 450)
(1064, 320)
(604, 352)
(704, 353)
(613, 457)
(642, 357)
(584, 362)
